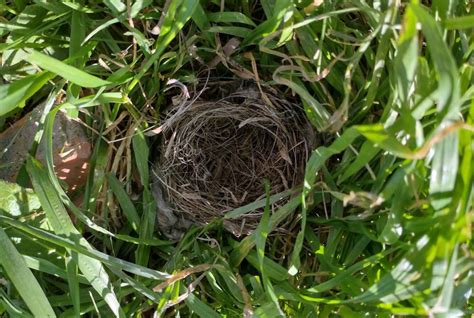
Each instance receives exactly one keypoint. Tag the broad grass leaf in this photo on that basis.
(147, 227)
(215, 284)
(379, 136)
(267, 310)
(361, 243)
(228, 283)
(445, 158)
(85, 251)
(5, 26)
(99, 28)
(405, 62)
(200, 18)
(64, 70)
(316, 113)
(459, 23)
(16, 200)
(449, 266)
(231, 30)
(274, 270)
(137, 285)
(383, 49)
(73, 282)
(347, 274)
(235, 213)
(8, 306)
(442, 8)
(200, 308)
(62, 224)
(45, 266)
(367, 152)
(23, 279)
(443, 171)
(394, 228)
(261, 234)
(138, 6)
(14, 95)
(447, 271)
(321, 154)
(78, 29)
(142, 152)
(315, 162)
(448, 83)
(116, 6)
(172, 24)
(277, 13)
(463, 193)
(147, 224)
(246, 245)
(124, 200)
(400, 283)
(230, 17)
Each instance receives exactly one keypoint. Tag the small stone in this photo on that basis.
(71, 148)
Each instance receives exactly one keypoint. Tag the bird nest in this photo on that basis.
(216, 155)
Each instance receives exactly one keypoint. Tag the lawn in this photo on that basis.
(380, 224)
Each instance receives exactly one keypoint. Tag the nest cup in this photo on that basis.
(216, 155)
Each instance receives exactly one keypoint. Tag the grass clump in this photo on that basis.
(383, 222)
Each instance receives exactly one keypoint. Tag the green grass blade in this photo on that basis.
(78, 29)
(45, 266)
(172, 24)
(200, 308)
(367, 152)
(200, 18)
(23, 279)
(384, 139)
(261, 234)
(62, 224)
(16, 200)
(124, 200)
(15, 94)
(64, 70)
(459, 23)
(89, 251)
(142, 151)
(73, 282)
(256, 205)
(116, 6)
(444, 170)
(147, 224)
(449, 92)
(230, 17)
(8, 306)
(246, 245)
(315, 109)
(230, 30)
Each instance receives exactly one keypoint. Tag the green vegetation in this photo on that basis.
(385, 217)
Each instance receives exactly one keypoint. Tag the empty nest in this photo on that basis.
(215, 156)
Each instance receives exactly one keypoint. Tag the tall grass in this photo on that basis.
(385, 214)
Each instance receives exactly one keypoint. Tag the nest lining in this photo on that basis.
(216, 155)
